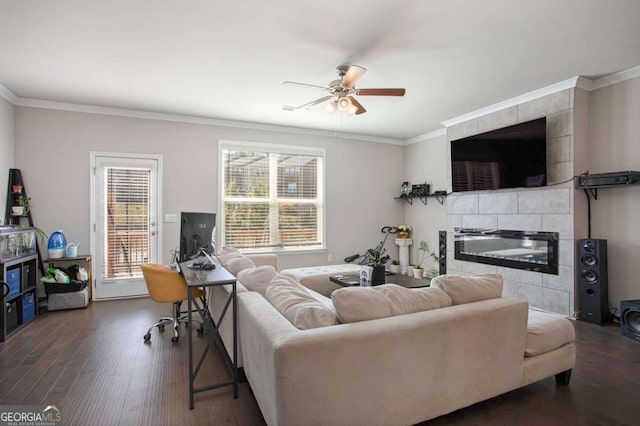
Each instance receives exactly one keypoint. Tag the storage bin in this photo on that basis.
(28, 307)
(13, 279)
(52, 288)
(12, 315)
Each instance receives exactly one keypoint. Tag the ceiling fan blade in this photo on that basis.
(295, 83)
(308, 105)
(380, 92)
(358, 105)
(353, 74)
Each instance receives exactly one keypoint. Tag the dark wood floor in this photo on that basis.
(93, 365)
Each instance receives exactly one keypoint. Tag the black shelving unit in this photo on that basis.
(15, 190)
(21, 305)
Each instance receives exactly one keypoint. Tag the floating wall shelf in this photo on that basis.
(409, 198)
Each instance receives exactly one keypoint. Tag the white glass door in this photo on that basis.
(125, 216)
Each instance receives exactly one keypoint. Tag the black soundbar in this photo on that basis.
(604, 180)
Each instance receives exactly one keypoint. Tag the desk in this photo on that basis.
(210, 278)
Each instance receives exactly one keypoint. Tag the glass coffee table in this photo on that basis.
(353, 280)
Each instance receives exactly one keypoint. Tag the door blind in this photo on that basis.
(127, 243)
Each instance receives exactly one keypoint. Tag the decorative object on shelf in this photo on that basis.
(405, 189)
(71, 250)
(418, 271)
(16, 189)
(420, 190)
(57, 245)
(404, 231)
(22, 206)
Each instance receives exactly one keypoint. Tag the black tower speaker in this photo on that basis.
(442, 254)
(593, 284)
(630, 319)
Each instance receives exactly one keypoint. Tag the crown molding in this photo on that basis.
(535, 94)
(579, 82)
(426, 136)
(618, 77)
(8, 94)
(149, 115)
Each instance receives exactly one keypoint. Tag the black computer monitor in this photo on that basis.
(196, 234)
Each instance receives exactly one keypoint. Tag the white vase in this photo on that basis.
(418, 273)
(17, 210)
(394, 268)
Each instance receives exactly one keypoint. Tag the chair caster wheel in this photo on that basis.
(147, 337)
(161, 327)
(174, 339)
(200, 330)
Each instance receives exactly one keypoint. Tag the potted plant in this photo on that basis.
(418, 271)
(395, 266)
(378, 259)
(22, 206)
(403, 231)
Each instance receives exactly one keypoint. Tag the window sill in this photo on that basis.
(284, 251)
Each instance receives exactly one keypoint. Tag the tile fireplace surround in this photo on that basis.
(548, 209)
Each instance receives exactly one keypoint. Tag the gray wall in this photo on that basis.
(614, 145)
(6, 149)
(52, 149)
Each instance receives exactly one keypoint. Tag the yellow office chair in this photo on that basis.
(168, 286)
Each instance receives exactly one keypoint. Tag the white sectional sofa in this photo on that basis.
(401, 369)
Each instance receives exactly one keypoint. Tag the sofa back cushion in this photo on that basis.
(353, 304)
(467, 289)
(238, 264)
(296, 304)
(227, 254)
(258, 278)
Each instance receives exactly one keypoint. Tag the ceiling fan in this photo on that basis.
(342, 91)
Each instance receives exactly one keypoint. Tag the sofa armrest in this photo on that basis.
(420, 363)
(264, 259)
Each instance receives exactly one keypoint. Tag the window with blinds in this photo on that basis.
(272, 198)
(127, 243)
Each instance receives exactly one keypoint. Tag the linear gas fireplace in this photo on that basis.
(528, 250)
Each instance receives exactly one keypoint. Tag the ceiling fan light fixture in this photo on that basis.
(332, 106)
(344, 103)
(352, 110)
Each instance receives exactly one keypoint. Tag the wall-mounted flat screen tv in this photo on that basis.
(196, 234)
(511, 157)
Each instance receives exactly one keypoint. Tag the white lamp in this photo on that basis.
(344, 103)
(332, 106)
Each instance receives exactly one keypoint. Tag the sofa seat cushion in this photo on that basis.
(467, 289)
(354, 304)
(298, 305)
(547, 331)
(258, 278)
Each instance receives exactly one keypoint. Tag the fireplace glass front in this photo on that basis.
(528, 250)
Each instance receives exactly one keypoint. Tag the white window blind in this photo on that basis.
(272, 199)
(127, 192)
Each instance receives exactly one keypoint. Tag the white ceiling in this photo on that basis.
(227, 60)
